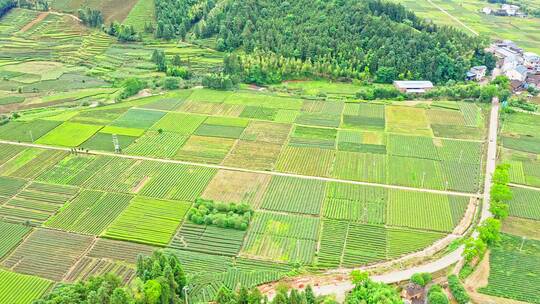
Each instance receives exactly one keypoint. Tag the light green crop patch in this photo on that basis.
(122, 131)
(69, 134)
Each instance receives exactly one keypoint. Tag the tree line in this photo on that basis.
(6, 6)
(339, 38)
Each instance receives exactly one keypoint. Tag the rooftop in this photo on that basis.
(413, 84)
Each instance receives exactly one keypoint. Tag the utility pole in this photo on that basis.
(423, 177)
(460, 156)
(31, 136)
(185, 290)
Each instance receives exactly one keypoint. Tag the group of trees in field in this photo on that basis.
(436, 295)
(499, 87)
(160, 280)
(171, 68)
(489, 232)
(124, 33)
(339, 38)
(224, 215)
(91, 17)
(6, 6)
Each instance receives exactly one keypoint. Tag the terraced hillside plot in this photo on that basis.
(360, 166)
(37, 202)
(62, 250)
(125, 252)
(282, 237)
(10, 236)
(138, 118)
(419, 210)
(148, 221)
(205, 149)
(87, 268)
(525, 203)
(69, 134)
(306, 161)
(407, 120)
(31, 162)
(184, 124)
(142, 12)
(295, 195)
(513, 270)
(253, 155)
(19, 288)
(355, 203)
(364, 116)
(155, 144)
(90, 212)
(238, 187)
(27, 131)
(268, 132)
(208, 239)
(178, 182)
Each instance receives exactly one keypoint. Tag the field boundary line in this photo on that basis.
(524, 186)
(453, 18)
(273, 173)
(83, 255)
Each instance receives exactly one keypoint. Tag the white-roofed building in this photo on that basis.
(413, 86)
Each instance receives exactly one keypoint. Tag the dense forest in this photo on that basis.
(335, 38)
(5, 6)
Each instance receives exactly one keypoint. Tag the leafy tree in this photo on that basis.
(386, 74)
(421, 279)
(171, 83)
(131, 86)
(457, 290)
(369, 292)
(473, 248)
(489, 231)
(91, 17)
(499, 210)
(6, 6)
(158, 57)
(501, 193)
(436, 295)
(176, 61)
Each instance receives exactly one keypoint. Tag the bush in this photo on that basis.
(171, 83)
(436, 295)
(219, 82)
(224, 215)
(421, 279)
(178, 72)
(457, 290)
(131, 87)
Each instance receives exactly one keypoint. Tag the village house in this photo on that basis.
(413, 294)
(519, 73)
(477, 73)
(487, 10)
(507, 10)
(413, 86)
(531, 61)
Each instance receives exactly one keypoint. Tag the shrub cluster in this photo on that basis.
(457, 290)
(224, 215)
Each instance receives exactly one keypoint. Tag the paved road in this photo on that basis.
(340, 289)
(273, 173)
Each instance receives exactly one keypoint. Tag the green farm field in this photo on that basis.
(523, 31)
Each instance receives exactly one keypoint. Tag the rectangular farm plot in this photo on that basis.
(364, 116)
(364, 244)
(181, 123)
(415, 172)
(62, 250)
(355, 203)
(269, 101)
(138, 119)
(19, 288)
(99, 116)
(91, 267)
(404, 241)
(439, 116)
(356, 166)
(279, 237)
(261, 113)
(208, 95)
(148, 221)
(155, 144)
(36, 203)
(306, 161)
(313, 137)
(178, 182)
(267, 132)
(104, 142)
(208, 239)
(119, 251)
(412, 146)
(90, 212)
(9, 151)
(32, 162)
(69, 134)
(407, 120)
(419, 210)
(10, 236)
(219, 131)
(74, 169)
(204, 149)
(296, 195)
(238, 187)
(122, 131)
(525, 203)
(253, 155)
(27, 131)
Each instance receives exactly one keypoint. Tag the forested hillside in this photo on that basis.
(343, 37)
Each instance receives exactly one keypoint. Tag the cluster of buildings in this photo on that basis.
(522, 68)
(504, 10)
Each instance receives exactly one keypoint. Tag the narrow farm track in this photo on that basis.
(453, 18)
(524, 187)
(273, 173)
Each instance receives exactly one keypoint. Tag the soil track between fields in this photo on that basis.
(273, 173)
